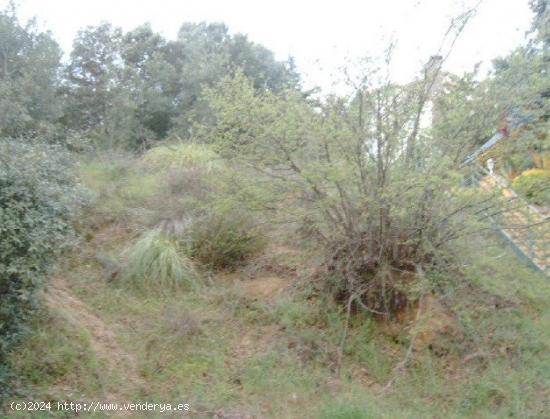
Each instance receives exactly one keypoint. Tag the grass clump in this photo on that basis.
(224, 242)
(156, 261)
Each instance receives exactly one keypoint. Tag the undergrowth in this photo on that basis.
(58, 352)
(229, 351)
(157, 262)
(182, 155)
(224, 241)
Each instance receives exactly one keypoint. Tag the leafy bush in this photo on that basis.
(156, 261)
(38, 197)
(224, 242)
(534, 185)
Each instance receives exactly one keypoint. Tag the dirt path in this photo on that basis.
(118, 362)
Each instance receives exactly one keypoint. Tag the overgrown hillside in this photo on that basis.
(182, 223)
(254, 337)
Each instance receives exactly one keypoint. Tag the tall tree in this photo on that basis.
(208, 52)
(29, 67)
(151, 82)
(520, 88)
(135, 88)
(93, 77)
(541, 20)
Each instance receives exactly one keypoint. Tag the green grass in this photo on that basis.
(157, 263)
(344, 410)
(118, 186)
(185, 347)
(57, 352)
(221, 349)
(182, 155)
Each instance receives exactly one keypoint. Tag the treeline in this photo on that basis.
(122, 89)
(132, 89)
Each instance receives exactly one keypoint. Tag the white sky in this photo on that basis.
(319, 34)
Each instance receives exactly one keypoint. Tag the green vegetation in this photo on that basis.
(38, 196)
(130, 90)
(224, 348)
(156, 262)
(182, 155)
(533, 185)
(345, 410)
(180, 221)
(519, 89)
(224, 241)
(364, 206)
(43, 363)
(29, 86)
(117, 187)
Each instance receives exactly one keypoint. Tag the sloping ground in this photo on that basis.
(103, 341)
(252, 347)
(264, 342)
(526, 227)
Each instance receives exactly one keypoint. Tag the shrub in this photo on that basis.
(224, 242)
(381, 195)
(156, 261)
(534, 185)
(38, 197)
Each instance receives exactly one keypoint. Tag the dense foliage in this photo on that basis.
(38, 197)
(132, 89)
(206, 150)
(29, 66)
(533, 185)
(519, 90)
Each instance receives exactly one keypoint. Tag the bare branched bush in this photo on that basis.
(381, 188)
